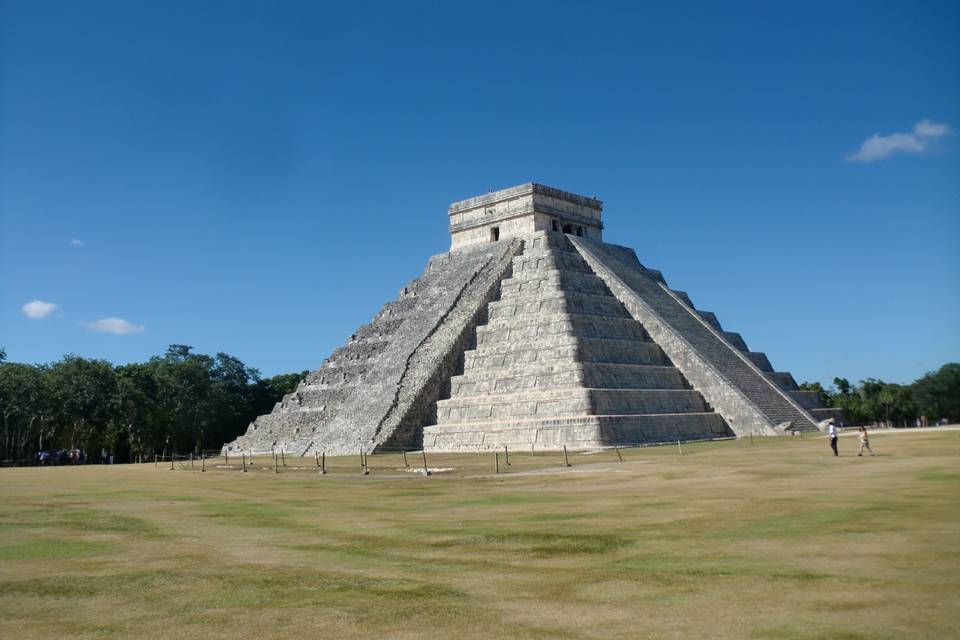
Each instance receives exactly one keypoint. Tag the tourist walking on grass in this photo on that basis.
(832, 433)
(864, 441)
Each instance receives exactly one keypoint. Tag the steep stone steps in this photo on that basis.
(578, 401)
(748, 400)
(584, 432)
(588, 326)
(556, 303)
(567, 374)
(578, 349)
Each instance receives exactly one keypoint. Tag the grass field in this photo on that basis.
(729, 540)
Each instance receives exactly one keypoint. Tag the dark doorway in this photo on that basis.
(580, 231)
(494, 234)
(568, 228)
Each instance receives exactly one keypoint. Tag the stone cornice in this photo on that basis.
(522, 190)
(526, 211)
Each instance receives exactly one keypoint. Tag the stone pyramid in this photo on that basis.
(533, 332)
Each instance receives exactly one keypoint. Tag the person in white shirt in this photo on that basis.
(832, 434)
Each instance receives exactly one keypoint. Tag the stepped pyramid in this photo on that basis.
(531, 331)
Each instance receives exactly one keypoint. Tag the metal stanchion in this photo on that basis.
(323, 463)
(496, 461)
(506, 454)
(405, 463)
(566, 460)
(243, 460)
(679, 448)
(617, 449)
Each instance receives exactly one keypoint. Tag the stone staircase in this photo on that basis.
(382, 386)
(740, 384)
(561, 362)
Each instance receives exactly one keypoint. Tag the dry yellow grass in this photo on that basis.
(731, 540)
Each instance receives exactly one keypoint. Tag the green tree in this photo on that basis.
(937, 394)
(25, 407)
(84, 393)
(135, 409)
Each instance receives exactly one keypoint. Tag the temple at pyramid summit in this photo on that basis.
(531, 331)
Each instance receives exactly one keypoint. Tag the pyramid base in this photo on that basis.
(576, 433)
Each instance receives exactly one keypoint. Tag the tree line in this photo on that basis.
(934, 397)
(183, 401)
(180, 402)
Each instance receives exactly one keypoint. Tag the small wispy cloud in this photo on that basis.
(76, 242)
(117, 326)
(38, 309)
(877, 147)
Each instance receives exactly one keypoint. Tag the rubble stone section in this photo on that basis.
(561, 363)
(383, 385)
(737, 383)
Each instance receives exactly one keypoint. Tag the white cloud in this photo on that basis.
(118, 326)
(877, 147)
(928, 128)
(38, 309)
(76, 242)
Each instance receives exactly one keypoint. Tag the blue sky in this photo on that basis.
(259, 178)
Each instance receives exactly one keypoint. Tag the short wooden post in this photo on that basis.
(283, 460)
(366, 468)
(154, 459)
(191, 459)
(426, 470)
(276, 465)
(243, 461)
(506, 454)
(226, 458)
(361, 457)
(496, 461)
(405, 463)
(250, 455)
(203, 462)
(679, 448)
(617, 449)
(172, 456)
(316, 458)
(323, 463)
(566, 460)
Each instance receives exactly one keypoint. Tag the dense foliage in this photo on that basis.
(933, 397)
(180, 401)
